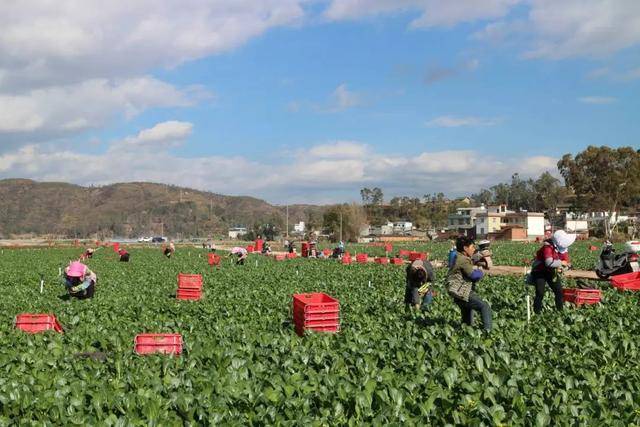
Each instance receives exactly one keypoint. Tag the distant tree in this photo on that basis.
(603, 178)
(351, 216)
(549, 193)
(484, 197)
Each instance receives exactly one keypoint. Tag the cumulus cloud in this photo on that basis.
(170, 133)
(454, 122)
(328, 172)
(598, 100)
(85, 105)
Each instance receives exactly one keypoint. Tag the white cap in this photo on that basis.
(563, 240)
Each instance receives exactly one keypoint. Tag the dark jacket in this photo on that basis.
(462, 276)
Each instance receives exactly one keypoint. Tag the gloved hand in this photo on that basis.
(76, 289)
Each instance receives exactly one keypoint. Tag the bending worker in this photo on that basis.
(416, 294)
(547, 268)
(462, 279)
(124, 255)
(241, 253)
(169, 250)
(79, 280)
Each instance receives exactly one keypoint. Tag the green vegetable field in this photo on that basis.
(243, 364)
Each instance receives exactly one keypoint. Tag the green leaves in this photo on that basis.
(244, 361)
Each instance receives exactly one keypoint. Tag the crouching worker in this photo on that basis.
(169, 250)
(79, 280)
(551, 260)
(240, 253)
(124, 255)
(88, 253)
(461, 282)
(418, 294)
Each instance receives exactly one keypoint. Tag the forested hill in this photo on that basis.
(131, 209)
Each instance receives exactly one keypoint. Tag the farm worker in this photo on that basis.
(79, 280)
(461, 283)
(338, 252)
(124, 255)
(169, 250)
(88, 253)
(416, 294)
(241, 253)
(266, 249)
(550, 261)
(292, 247)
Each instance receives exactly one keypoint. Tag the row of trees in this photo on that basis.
(597, 179)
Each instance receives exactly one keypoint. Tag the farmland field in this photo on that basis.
(244, 364)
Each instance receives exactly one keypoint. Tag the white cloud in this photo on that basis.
(600, 100)
(169, 132)
(89, 104)
(454, 122)
(325, 172)
(50, 43)
(433, 13)
(592, 28)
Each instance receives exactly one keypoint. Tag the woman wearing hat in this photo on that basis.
(241, 253)
(79, 280)
(551, 259)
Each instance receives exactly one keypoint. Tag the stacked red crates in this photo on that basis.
(346, 259)
(382, 260)
(317, 312)
(397, 261)
(626, 282)
(581, 296)
(34, 323)
(189, 287)
(158, 343)
(291, 255)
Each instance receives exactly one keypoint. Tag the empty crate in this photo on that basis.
(158, 343)
(317, 312)
(34, 323)
(582, 296)
(626, 282)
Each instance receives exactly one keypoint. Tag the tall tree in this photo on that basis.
(604, 179)
(346, 217)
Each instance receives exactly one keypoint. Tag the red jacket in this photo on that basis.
(548, 250)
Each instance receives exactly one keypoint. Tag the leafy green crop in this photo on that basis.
(244, 364)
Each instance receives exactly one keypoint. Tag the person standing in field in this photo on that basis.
(547, 268)
(416, 294)
(79, 281)
(461, 283)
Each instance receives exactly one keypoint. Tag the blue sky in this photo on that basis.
(310, 100)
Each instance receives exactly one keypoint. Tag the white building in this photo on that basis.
(464, 218)
(299, 227)
(235, 232)
(402, 227)
(498, 218)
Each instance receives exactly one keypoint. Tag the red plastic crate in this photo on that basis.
(397, 261)
(626, 282)
(189, 281)
(312, 316)
(158, 343)
(292, 255)
(581, 296)
(382, 260)
(34, 323)
(316, 302)
(214, 259)
(388, 248)
(346, 259)
(280, 257)
(417, 255)
(189, 294)
(250, 248)
(404, 252)
(362, 258)
(327, 252)
(329, 327)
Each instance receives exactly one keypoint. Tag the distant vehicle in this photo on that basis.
(144, 239)
(158, 239)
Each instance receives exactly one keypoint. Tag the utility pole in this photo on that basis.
(341, 225)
